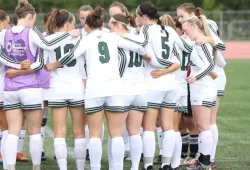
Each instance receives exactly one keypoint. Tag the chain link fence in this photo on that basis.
(233, 25)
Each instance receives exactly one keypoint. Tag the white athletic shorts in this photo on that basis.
(66, 102)
(181, 101)
(203, 95)
(26, 99)
(164, 99)
(1, 100)
(221, 84)
(136, 102)
(110, 103)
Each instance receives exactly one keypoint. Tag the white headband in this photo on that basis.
(126, 25)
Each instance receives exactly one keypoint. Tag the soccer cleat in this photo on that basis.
(166, 167)
(127, 156)
(213, 165)
(158, 160)
(87, 155)
(43, 157)
(20, 157)
(198, 166)
(150, 167)
(191, 162)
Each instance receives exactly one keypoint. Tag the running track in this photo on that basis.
(237, 50)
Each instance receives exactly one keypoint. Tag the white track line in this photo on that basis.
(50, 133)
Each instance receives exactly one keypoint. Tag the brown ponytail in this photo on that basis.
(52, 21)
(23, 9)
(168, 21)
(58, 19)
(95, 18)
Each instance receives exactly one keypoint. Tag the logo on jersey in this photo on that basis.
(17, 49)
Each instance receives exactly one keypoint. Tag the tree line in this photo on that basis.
(163, 5)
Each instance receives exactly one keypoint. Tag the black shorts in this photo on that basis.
(189, 112)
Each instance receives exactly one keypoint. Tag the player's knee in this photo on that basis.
(44, 122)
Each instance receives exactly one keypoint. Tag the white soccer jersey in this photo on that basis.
(160, 47)
(101, 53)
(132, 70)
(65, 82)
(201, 64)
(84, 33)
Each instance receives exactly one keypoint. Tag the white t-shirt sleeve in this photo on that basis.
(208, 63)
(128, 45)
(40, 41)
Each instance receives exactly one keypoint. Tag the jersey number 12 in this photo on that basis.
(66, 49)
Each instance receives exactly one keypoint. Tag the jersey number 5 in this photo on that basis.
(165, 48)
(66, 49)
(104, 51)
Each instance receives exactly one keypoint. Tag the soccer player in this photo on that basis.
(202, 89)
(134, 88)
(66, 91)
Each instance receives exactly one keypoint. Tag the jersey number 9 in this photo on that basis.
(104, 51)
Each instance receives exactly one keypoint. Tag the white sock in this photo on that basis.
(21, 141)
(61, 152)
(45, 117)
(148, 148)
(5, 134)
(42, 135)
(11, 149)
(136, 150)
(87, 135)
(95, 153)
(110, 159)
(125, 136)
(168, 147)
(117, 149)
(215, 135)
(176, 159)
(205, 142)
(103, 131)
(36, 148)
(160, 138)
(80, 153)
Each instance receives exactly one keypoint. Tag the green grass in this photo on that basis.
(233, 151)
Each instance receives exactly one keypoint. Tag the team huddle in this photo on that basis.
(144, 73)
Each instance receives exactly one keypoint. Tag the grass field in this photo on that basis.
(233, 121)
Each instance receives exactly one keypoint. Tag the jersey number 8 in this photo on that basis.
(66, 49)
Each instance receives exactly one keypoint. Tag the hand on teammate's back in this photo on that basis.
(25, 64)
(202, 40)
(74, 33)
(147, 58)
(191, 79)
